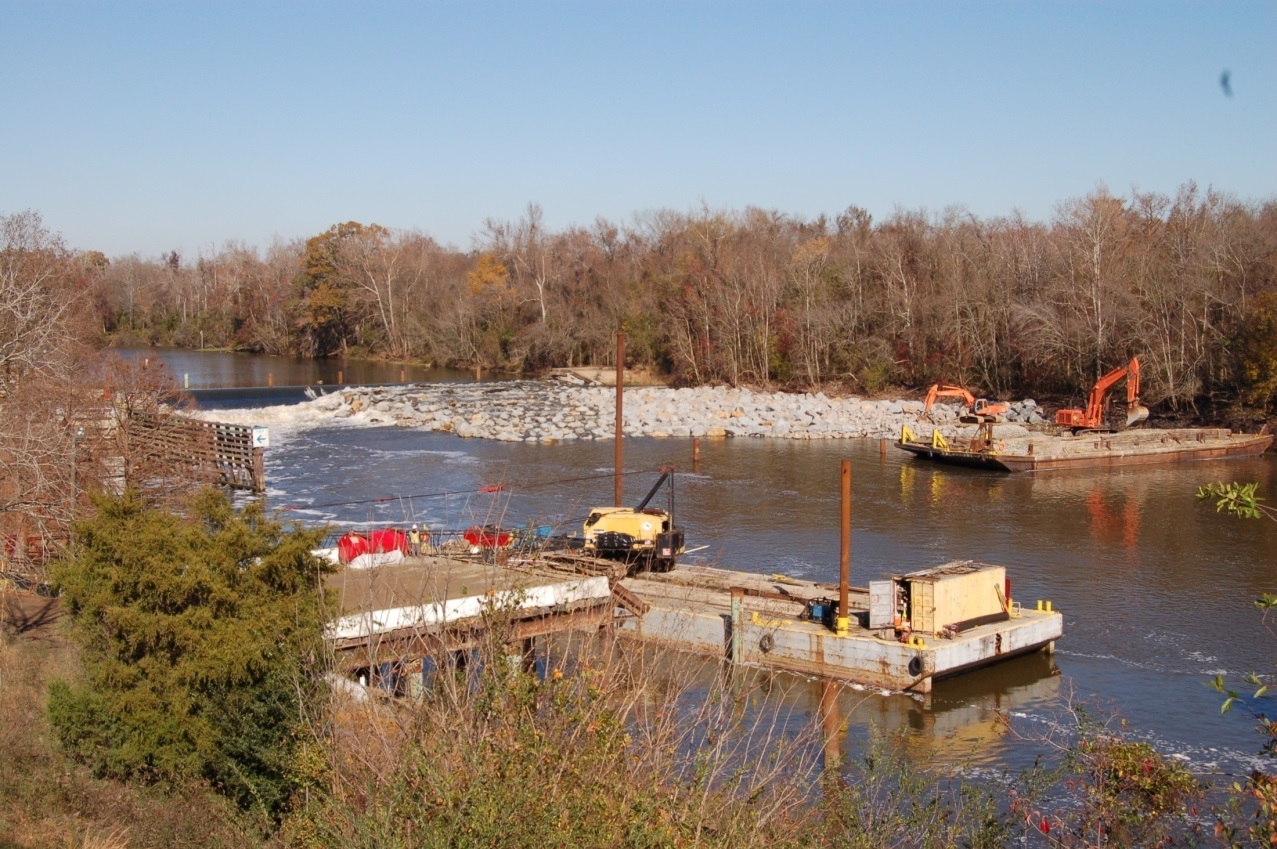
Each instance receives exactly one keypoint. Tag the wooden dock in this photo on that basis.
(398, 614)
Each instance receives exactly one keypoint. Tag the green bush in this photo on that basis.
(200, 641)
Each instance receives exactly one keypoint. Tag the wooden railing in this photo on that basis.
(216, 452)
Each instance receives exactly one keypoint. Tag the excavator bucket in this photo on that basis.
(1135, 414)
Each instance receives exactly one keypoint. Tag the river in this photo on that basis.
(1156, 587)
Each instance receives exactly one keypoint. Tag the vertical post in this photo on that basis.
(403, 375)
(528, 655)
(259, 470)
(270, 378)
(696, 454)
(844, 558)
(339, 377)
(738, 622)
(620, 413)
(882, 447)
(186, 379)
(75, 494)
(829, 722)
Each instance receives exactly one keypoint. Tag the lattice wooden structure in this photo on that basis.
(215, 452)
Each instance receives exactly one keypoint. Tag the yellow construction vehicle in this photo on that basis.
(644, 537)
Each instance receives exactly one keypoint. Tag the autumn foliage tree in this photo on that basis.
(42, 360)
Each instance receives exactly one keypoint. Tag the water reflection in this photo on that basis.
(968, 723)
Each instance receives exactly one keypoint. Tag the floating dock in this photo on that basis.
(901, 634)
(1046, 452)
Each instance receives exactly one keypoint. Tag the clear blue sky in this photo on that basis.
(151, 126)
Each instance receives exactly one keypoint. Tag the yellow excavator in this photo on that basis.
(644, 537)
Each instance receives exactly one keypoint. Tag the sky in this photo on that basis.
(146, 127)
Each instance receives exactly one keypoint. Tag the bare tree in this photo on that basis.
(36, 299)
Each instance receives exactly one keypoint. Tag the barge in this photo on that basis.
(900, 634)
(1042, 452)
(905, 632)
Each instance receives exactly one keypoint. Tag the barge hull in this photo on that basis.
(1092, 451)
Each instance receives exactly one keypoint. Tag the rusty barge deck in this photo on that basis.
(1044, 452)
(398, 614)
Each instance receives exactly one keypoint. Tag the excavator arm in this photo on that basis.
(944, 391)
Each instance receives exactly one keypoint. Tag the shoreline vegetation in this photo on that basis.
(1004, 306)
(599, 746)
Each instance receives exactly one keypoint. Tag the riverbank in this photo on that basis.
(549, 411)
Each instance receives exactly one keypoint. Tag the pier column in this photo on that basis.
(259, 470)
(843, 625)
(620, 413)
(830, 722)
(738, 621)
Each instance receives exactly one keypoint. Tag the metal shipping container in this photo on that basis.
(960, 595)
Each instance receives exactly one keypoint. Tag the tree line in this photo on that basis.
(758, 297)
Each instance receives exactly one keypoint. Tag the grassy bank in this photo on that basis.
(46, 798)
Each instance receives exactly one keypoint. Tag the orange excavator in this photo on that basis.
(979, 411)
(1092, 418)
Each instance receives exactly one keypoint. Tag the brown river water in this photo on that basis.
(1156, 587)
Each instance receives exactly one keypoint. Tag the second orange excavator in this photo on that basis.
(979, 411)
(1092, 418)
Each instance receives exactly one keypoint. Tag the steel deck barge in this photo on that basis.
(1043, 452)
